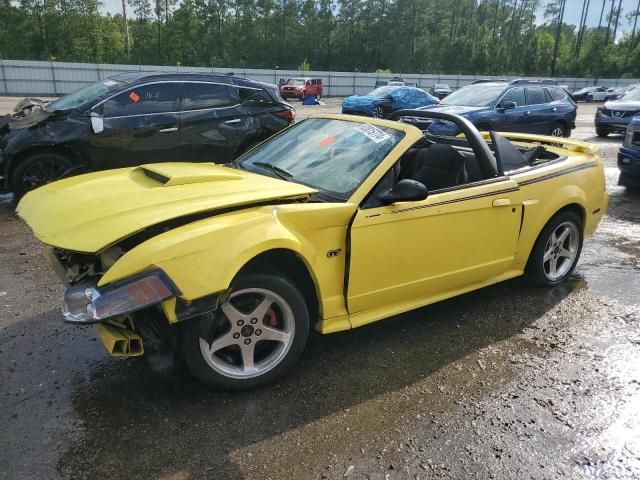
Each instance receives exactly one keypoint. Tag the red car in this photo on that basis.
(301, 87)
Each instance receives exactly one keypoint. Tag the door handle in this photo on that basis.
(501, 202)
(526, 113)
(235, 120)
(168, 130)
(554, 109)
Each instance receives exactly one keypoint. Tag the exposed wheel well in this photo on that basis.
(288, 263)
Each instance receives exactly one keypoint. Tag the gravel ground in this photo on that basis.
(509, 382)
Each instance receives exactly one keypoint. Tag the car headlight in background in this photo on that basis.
(631, 137)
(89, 304)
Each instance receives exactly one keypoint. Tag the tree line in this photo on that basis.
(491, 37)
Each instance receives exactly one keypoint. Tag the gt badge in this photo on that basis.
(333, 253)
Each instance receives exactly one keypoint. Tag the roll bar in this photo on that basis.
(484, 155)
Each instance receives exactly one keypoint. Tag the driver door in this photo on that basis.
(411, 253)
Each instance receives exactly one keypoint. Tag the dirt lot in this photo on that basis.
(510, 382)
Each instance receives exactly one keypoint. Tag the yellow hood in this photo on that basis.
(88, 213)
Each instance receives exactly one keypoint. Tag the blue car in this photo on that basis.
(629, 155)
(519, 106)
(382, 101)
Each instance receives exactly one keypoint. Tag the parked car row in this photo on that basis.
(137, 118)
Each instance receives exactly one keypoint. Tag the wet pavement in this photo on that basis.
(509, 382)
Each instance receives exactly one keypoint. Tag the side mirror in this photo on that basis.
(507, 105)
(405, 190)
(97, 122)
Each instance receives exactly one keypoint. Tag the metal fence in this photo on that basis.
(21, 77)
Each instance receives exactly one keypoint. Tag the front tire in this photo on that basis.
(37, 170)
(256, 336)
(602, 132)
(557, 250)
(378, 112)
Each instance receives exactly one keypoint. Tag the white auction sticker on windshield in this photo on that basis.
(110, 83)
(374, 133)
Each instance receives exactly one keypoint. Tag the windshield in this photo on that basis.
(295, 81)
(632, 95)
(334, 156)
(83, 96)
(441, 85)
(381, 92)
(474, 96)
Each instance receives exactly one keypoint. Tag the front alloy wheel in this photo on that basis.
(257, 334)
(557, 249)
(378, 112)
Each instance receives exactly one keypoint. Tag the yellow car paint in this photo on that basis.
(366, 263)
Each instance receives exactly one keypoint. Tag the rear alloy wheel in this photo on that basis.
(558, 130)
(557, 250)
(256, 336)
(37, 170)
(378, 112)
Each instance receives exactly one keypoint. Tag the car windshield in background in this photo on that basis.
(381, 92)
(295, 81)
(474, 96)
(85, 95)
(334, 156)
(632, 95)
(441, 85)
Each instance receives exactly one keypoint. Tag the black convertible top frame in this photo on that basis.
(486, 160)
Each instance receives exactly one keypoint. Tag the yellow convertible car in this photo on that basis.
(334, 223)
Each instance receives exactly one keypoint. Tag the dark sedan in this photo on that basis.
(441, 90)
(137, 118)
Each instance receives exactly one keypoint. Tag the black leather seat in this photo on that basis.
(440, 166)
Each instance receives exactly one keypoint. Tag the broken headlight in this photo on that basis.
(90, 304)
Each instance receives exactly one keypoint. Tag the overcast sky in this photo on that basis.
(573, 10)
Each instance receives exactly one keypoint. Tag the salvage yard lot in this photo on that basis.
(507, 382)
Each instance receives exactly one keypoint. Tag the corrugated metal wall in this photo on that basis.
(22, 77)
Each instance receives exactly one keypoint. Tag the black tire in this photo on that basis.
(602, 132)
(37, 170)
(558, 129)
(536, 270)
(206, 326)
(378, 112)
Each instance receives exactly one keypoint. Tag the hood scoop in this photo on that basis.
(173, 174)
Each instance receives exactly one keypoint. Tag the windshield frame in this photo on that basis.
(116, 85)
(410, 135)
(500, 90)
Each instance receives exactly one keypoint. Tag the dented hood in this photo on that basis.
(88, 213)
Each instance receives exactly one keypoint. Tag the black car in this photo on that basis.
(135, 118)
(441, 90)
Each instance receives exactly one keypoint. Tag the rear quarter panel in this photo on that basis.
(577, 180)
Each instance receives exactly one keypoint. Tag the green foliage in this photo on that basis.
(498, 37)
(304, 66)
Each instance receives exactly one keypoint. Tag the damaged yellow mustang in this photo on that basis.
(336, 222)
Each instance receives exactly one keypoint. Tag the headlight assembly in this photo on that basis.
(89, 304)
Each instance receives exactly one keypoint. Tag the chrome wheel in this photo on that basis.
(254, 333)
(378, 112)
(557, 131)
(560, 251)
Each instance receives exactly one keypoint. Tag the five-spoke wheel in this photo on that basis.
(256, 335)
(557, 249)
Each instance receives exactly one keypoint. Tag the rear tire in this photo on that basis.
(37, 170)
(601, 132)
(257, 335)
(558, 129)
(557, 250)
